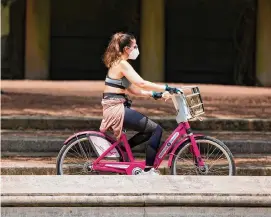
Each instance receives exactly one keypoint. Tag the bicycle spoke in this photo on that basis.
(89, 147)
(215, 161)
(76, 151)
(91, 151)
(83, 151)
(212, 152)
(187, 161)
(214, 157)
(74, 155)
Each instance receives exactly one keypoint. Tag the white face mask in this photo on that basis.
(133, 55)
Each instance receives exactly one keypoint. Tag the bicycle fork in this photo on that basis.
(196, 152)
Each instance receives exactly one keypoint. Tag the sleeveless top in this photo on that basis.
(122, 83)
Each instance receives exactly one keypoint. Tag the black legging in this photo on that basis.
(147, 131)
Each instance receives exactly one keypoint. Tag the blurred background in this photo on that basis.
(193, 41)
(53, 76)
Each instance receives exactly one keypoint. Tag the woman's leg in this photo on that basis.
(139, 138)
(148, 131)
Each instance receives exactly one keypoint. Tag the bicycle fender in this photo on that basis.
(171, 155)
(86, 132)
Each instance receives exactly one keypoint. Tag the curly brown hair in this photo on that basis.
(115, 48)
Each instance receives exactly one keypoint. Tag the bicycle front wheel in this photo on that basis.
(216, 155)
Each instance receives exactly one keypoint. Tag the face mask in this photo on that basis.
(133, 55)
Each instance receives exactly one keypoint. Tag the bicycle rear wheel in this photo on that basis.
(77, 156)
(216, 155)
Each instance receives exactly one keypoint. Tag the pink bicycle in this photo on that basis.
(91, 152)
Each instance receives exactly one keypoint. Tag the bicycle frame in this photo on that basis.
(182, 131)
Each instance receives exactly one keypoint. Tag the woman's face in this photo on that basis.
(132, 50)
(132, 46)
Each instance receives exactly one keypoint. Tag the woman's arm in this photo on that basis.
(135, 79)
(135, 91)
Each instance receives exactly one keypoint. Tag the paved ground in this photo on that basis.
(136, 211)
(135, 191)
(82, 98)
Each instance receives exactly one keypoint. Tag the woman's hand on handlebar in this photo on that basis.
(157, 95)
(167, 94)
(173, 90)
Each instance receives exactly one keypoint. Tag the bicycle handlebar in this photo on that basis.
(167, 95)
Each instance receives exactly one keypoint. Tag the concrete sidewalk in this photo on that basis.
(136, 191)
(83, 98)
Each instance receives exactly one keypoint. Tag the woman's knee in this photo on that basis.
(152, 127)
(155, 139)
(159, 129)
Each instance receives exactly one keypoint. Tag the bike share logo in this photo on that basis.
(167, 146)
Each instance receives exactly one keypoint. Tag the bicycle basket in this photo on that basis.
(194, 102)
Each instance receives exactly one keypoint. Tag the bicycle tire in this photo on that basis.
(219, 144)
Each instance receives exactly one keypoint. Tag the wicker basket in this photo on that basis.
(194, 101)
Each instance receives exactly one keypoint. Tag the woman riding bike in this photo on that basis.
(117, 113)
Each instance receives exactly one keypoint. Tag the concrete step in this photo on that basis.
(160, 211)
(93, 123)
(253, 165)
(135, 191)
(48, 143)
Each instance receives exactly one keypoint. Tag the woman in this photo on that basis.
(122, 77)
